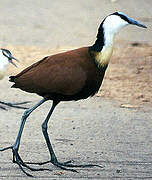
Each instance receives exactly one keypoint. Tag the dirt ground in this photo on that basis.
(112, 129)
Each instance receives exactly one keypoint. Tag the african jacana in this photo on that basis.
(6, 58)
(68, 76)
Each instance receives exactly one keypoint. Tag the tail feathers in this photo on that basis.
(14, 86)
(11, 78)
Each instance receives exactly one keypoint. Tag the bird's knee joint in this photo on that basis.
(44, 127)
(26, 113)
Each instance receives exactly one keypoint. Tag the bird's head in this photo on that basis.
(111, 25)
(6, 57)
(107, 30)
(115, 21)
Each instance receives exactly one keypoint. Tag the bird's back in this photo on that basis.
(69, 76)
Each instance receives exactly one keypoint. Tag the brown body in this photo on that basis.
(72, 75)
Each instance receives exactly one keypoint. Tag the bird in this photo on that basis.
(6, 58)
(69, 76)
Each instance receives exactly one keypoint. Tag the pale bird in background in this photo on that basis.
(6, 58)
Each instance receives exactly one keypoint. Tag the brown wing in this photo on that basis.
(62, 73)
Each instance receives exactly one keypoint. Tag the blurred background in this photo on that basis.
(48, 23)
(33, 29)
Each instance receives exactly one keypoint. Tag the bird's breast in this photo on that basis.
(102, 58)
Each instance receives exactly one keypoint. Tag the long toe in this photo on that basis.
(21, 103)
(46, 162)
(17, 106)
(63, 166)
(6, 148)
(14, 105)
(68, 165)
(81, 165)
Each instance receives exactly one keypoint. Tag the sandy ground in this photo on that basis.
(112, 129)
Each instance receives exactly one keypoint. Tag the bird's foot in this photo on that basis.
(18, 160)
(14, 105)
(66, 165)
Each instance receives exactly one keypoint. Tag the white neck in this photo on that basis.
(112, 26)
(108, 39)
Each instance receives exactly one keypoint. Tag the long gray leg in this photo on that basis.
(16, 157)
(46, 136)
(50, 148)
(23, 120)
(45, 133)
